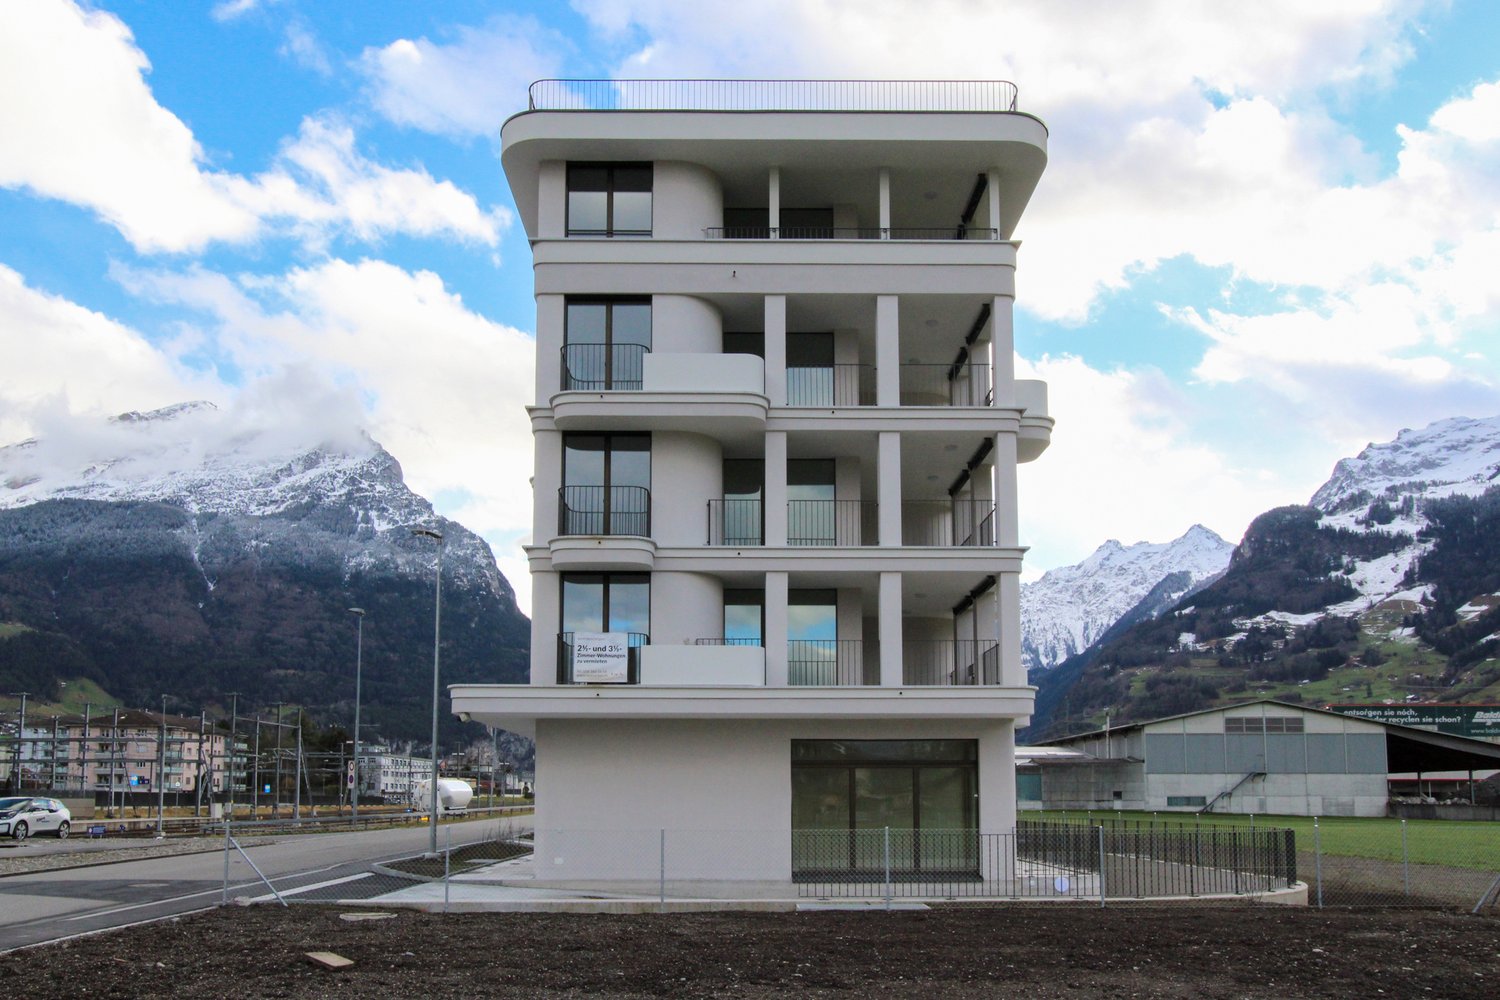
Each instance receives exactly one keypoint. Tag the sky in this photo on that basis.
(1267, 234)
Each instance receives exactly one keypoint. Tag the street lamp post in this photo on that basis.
(359, 651)
(161, 774)
(437, 636)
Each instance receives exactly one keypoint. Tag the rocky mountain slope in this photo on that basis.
(1070, 608)
(1385, 587)
(178, 552)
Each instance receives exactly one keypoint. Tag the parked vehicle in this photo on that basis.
(22, 817)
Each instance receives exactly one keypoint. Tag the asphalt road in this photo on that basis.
(45, 906)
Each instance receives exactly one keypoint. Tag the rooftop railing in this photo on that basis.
(773, 95)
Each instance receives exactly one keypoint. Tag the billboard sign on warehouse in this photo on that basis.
(1477, 721)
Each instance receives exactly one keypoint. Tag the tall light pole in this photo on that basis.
(359, 651)
(437, 636)
(161, 774)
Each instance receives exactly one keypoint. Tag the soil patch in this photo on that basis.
(1040, 951)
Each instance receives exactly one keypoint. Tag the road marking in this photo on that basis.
(313, 887)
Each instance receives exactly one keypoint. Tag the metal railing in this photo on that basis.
(830, 522)
(826, 662)
(722, 641)
(950, 662)
(830, 385)
(946, 385)
(592, 367)
(950, 522)
(773, 95)
(635, 641)
(604, 510)
(953, 232)
(735, 522)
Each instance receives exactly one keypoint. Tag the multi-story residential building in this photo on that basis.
(129, 750)
(389, 774)
(775, 559)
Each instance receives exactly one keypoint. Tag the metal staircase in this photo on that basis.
(1230, 791)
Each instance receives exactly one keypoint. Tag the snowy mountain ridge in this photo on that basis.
(1069, 608)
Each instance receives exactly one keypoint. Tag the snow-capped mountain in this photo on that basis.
(1068, 609)
(195, 551)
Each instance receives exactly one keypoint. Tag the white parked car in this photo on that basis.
(22, 817)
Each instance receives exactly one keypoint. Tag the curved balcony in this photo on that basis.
(596, 367)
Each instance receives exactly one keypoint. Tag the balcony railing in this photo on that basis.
(635, 642)
(593, 367)
(949, 522)
(604, 510)
(830, 385)
(735, 522)
(954, 232)
(825, 662)
(773, 95)
(946, 385)
(732, 641)
(830, 522)
(950, 662)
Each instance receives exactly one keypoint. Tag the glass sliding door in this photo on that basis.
(812, 637)
(811, 508)
(605, 343)
(742, 513)
(606, 485)
(809, 369)
(604, 602)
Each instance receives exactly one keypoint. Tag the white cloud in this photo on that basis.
(465, 87)
(1124, 463)
(229, 10)
(82, 126)
(62, 359)
(442, 384)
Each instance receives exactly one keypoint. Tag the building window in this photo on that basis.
(604, 602)
(846, 793)
(609, 199)
(1175, 801)
(605, 343)
(1263, 724)
(606, 485)
(814, 654)
(812, 516)
(744, 617)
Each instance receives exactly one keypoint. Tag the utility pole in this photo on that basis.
(234, 724)
(255, 778)
(15, 770)
(276, 802)
(297, 777)
(116, 762)
(359, 655)
(52, 781)
(161, 774)
(83, 766)
(198, 781)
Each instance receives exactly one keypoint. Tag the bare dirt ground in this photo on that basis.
(1016, 951)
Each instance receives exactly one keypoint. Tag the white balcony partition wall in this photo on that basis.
(685, 607)
(686, 471)
(685, 324)
(686, 199)
(552, 199)
(546, 610)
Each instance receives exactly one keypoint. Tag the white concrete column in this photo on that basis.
(773, 202)
(546, 479)
(888, 486)
(775, 346)
(887, 351)
(776, 629)
(891, 655)
(997, 782)
(546, 611)
(775, 488)
(1008, 621)
(1003, 349)
(1007, 523)
(550, 319)
(552, 200)
(885, 203)
(994, 200)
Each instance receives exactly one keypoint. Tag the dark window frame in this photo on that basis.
(609, 302)
(610, 188)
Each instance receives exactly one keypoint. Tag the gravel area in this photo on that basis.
(28, 857)
(1037, 951)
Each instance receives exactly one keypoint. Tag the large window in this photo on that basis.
(609, 199)
(606, 485)
(812, 512)
(605, 343)
(847, 793)
(744, 617)
(604, 602)
(815, 656)
(741, 519)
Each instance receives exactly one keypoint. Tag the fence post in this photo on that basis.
(887, 868)
(225, 900)
(1318, 859)
(447, 865)
(1197, 860)
(1405, 863)
(662, 873)
(1101, 866)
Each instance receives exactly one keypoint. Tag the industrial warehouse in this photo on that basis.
(1259, 757)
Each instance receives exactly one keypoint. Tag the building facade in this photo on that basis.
(775, 558)
(128, 750)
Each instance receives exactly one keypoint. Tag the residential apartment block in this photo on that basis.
(775, 559)
(127, 750)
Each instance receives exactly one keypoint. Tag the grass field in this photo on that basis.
(1453, 843)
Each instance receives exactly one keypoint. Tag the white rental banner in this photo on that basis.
(601, 658)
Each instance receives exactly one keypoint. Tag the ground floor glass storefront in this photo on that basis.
(847, 793)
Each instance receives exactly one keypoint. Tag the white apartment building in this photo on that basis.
(775, 560)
